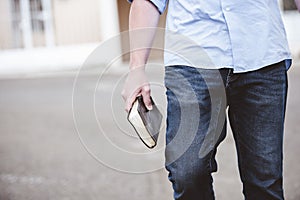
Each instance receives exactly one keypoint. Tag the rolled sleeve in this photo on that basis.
(159, 4)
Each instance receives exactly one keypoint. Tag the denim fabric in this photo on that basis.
(196, 124)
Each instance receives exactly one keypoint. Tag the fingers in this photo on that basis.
(128, 104)
(136, 84)
(146, 93)
(130, 100)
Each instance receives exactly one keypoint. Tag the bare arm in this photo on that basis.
(143, 15)
(143, 20)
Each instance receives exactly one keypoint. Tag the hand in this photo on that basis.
(136, 84)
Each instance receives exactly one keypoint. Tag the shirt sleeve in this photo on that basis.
(160, 4)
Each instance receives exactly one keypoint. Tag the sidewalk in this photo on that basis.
(19, 62)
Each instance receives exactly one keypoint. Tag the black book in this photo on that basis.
(146, 123)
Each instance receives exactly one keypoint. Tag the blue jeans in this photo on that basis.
(196, 124)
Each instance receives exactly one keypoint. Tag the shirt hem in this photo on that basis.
(288, 65)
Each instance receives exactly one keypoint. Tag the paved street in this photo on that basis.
(42, 156)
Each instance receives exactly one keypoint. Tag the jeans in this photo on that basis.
(196, 124)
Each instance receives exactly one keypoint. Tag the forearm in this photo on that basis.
(143, 19)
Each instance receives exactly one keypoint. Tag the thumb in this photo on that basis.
(146, 97)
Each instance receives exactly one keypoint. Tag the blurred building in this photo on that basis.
(44, 25)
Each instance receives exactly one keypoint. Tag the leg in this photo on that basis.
(256, 111)
(189, 123)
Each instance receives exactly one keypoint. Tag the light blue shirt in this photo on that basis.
(244, 35)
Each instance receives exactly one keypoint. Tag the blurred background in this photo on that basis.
(43, 45)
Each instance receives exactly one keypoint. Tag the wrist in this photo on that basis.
(137, 66)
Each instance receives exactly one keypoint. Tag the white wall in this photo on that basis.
(76, 21)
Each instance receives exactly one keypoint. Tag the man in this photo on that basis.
(237, 57)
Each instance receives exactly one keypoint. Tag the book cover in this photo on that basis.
(146, 123)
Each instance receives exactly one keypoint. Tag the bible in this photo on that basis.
(146, 123)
